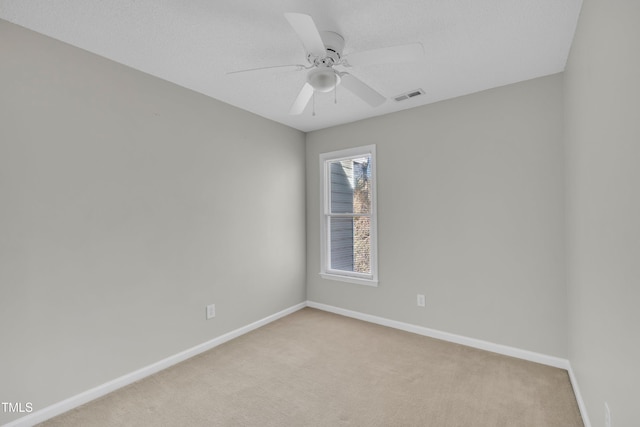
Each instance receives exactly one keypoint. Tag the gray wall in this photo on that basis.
(126, 205)
(602, 96)
(471, 213)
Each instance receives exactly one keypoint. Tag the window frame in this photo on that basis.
(326, 272)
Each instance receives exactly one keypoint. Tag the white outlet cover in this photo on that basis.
(421, 300)
(211, 311)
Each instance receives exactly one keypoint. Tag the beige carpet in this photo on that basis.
(314, 368)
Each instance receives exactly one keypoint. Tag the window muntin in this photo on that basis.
(348, 223)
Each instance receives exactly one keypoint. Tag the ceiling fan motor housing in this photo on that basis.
(333, 43)
(324, 78)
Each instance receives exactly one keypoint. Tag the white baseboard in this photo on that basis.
(544, 359)
(581, 404)
(99, 391)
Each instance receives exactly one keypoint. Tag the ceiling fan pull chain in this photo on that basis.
(335, 94)
(314, 103)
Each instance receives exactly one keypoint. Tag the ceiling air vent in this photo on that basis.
(408, 95)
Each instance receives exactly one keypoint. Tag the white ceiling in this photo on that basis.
(470, 45)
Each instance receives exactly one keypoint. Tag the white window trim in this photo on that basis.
(325, 271)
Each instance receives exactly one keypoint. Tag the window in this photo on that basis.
(349, 241)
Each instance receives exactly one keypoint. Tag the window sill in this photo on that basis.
(350, 279)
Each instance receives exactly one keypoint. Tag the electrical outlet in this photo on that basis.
(211, 311)
(607, 415)
(421, 300)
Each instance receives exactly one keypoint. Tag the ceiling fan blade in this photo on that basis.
(306, 29)
(361, 90)
(302, 99)
(293, 67)
(403, 53)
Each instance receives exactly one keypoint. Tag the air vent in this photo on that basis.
(408, 95)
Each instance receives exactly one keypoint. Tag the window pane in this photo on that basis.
(351, 244)
(351, 185)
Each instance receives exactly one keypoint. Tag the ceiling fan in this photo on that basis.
(326, 63)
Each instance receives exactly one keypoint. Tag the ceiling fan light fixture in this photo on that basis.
(323, 79)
